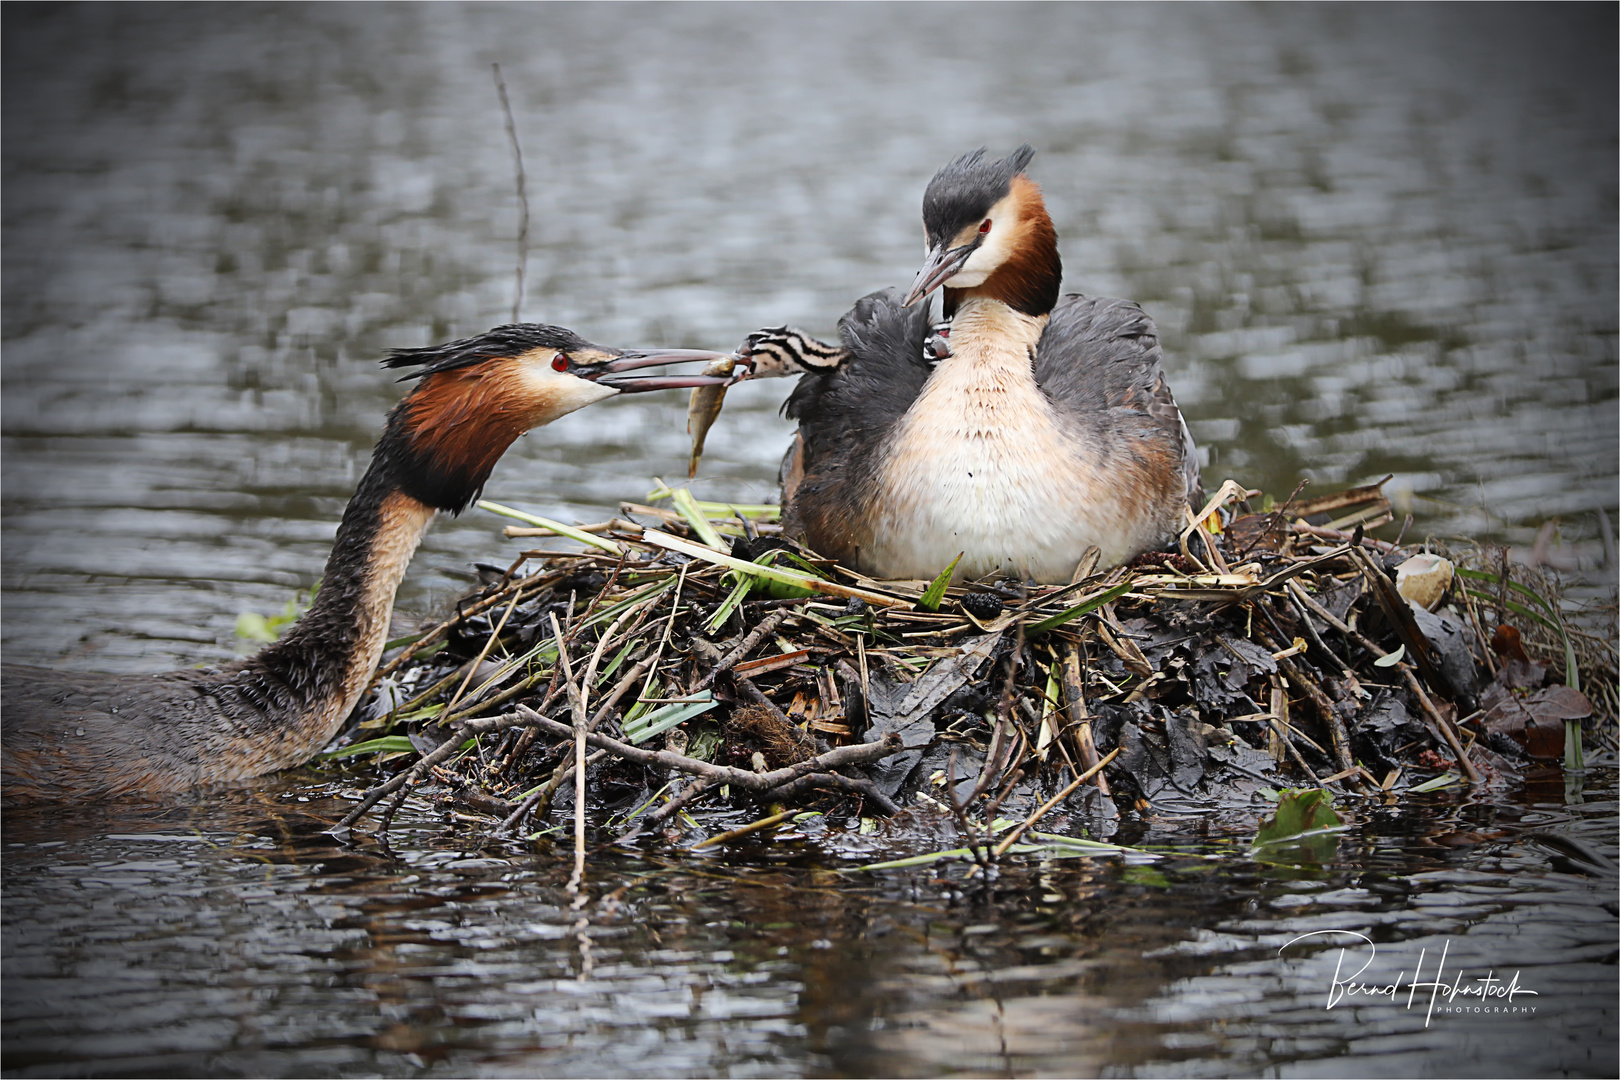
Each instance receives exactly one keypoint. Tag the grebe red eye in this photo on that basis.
(984, 226)
(559, 362)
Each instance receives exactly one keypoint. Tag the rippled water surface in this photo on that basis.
(1376, 240)
(226, 935)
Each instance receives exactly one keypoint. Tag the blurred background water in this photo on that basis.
(1376, 240)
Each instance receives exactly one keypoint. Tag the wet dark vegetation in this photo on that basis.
(705, 670)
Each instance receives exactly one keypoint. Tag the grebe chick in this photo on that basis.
(1046, 428)
(87, 735)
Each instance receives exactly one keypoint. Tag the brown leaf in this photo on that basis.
(1536, 722)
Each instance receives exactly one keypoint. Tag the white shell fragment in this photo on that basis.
(1423, 579)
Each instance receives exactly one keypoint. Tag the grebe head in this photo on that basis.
(778, 351)
(987, 228)
(478, 394)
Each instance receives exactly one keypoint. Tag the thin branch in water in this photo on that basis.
(676, 804)
(522, 193)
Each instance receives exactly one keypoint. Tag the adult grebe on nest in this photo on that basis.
(1045, 426)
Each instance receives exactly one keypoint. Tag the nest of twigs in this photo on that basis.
(694, 660)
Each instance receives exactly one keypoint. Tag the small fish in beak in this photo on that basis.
(705, 406)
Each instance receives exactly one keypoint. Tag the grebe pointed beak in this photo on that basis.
(611, 372)
(943, 263)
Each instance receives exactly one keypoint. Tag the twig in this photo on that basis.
(693, 792)
(980, 849)
(1340, 536)
(1012, 837)
(1339, 738)
(564, 770)
(374, 796)
(1283, 731)
(669, 628)
(766, 626)
(751, 827)
(858, 754)
(855, 785)
(1293, 588)
(576, 704)
(745, 686)
(1074, 691)
(522, 193)
(476, 608)
(1479, 633)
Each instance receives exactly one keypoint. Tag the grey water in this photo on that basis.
(226, 935)
(1377, 240)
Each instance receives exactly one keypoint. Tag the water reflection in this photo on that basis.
(1375, 241)
(227, 935)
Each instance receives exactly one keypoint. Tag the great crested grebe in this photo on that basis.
(1047, 429)
(72, 734)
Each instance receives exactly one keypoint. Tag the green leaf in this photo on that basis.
(1304, 826)
(688, 507)
(745, 584)
(667, 716)
(1144, 875)
(789, 577)
(252, 626)
(1089, 604)
(1444, 780)
(1392, 659)
(1515, 607)
(918, 860)
(1572, 673)
(557, 527)
(1094, 847)
(1496, 580)
(1298, 812)
(1574, 756)
(929, 601)
(705, 743)
(781, 590)
(762, 511)
(387, 744)
(613, 665)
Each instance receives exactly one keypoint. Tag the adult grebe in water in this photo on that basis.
(1045, 427)
(71, 734)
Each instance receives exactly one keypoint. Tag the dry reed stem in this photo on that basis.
(576, 706)
(751, 827)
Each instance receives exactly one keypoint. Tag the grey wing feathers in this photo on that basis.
(1099, 360)
(872, 389)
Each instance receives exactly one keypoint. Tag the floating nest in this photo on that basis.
(696, 661)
